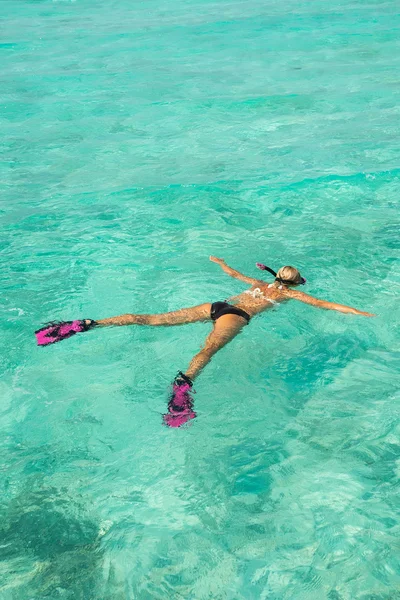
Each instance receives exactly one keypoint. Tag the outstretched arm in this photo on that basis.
(296, 295)
(232, 272)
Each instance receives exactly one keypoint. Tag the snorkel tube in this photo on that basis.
(284, 281)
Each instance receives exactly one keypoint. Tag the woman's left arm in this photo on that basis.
(232, 273)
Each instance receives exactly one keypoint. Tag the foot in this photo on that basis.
(180, 404)
(57, 331)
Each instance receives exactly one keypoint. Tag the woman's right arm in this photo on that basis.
(296, 295)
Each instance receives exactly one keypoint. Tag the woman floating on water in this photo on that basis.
(229, 318)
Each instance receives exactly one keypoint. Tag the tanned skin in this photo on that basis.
(259, 297)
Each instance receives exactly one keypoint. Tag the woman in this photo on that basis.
(229, 318)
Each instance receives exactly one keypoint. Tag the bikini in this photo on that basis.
(224, 308)
(218, 309)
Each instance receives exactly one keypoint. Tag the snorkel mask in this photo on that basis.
(284, 281)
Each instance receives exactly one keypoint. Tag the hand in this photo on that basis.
(367, 314)
(219, 261)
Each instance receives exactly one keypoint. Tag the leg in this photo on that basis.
(178, 317)
(180, 406)
(225, 329)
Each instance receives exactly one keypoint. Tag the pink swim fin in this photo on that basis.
(181, 403)
(57, 331)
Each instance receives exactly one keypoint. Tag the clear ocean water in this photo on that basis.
(136, 140)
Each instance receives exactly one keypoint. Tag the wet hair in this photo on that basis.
(286, 275)
(289, 275)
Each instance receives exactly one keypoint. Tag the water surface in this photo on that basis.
(137, 139)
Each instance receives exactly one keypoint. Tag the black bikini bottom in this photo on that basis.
(224, 308)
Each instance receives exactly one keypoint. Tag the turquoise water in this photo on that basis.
(136, 140)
